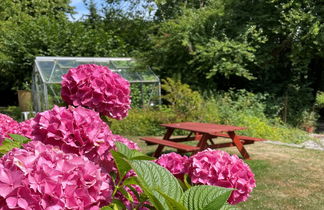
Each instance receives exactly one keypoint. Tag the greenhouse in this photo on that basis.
(48, 71)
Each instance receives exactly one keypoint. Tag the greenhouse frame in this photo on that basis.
(48, 72)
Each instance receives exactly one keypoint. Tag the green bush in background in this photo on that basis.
(12, 111)
(239, 108)
(144, 121)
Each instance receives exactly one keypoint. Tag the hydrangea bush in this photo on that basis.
(74, 161)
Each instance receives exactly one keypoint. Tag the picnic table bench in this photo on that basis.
(204, 133)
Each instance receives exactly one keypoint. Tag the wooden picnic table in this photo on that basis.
(204, 133)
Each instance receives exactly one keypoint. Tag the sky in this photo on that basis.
(80, 7)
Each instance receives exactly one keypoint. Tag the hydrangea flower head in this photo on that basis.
(43, 177)
(175, 163)
(130, 144)
(80, 131)
(215, 167)
(74, 130)
(25, 128)
(98, 88)
(7, 126)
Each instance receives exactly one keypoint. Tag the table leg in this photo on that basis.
(239, 145)
(158, 151)
(166, 136)
(202, 144)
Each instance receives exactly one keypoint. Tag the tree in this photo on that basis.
(15, 15)
(263, 46)
(25, 35)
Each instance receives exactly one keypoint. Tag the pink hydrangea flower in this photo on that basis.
(74, 130)
(7, 126)
(80, 131)
(25, 128)
(103, 155)
(215, 167)
(130, 144)
(175, 163)
(98, 88)
(43, 177)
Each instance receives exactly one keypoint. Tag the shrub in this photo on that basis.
(240, 108)
(144, 121)
(186, 103)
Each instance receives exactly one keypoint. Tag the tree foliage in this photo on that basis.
(42, 28)
(263, 46)
(266, 46)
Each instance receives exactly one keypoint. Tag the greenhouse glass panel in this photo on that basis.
(48, 72)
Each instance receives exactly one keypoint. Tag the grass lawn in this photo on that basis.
(287, 178)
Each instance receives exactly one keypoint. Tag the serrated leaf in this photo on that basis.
(131, 180)
(8, 145)
(172, 204)
(156, 178)
(205, 197)
(131, 154)
(183, 186)
(227, 206)
(124, 150)
(122, 165)
(19, 138)
(142, 157)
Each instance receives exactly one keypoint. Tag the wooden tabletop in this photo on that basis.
(203, 127)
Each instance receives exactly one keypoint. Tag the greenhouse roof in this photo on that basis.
(51, 69)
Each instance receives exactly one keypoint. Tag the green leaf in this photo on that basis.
(6, 146)
(117, 205)
(106, 208)
(183, 186)
(19, 138)
(126, 194)
(142, 157)
(205, 197)
(131, 180)
(185, 180)
(122, 165)
(153, 178)
(124, 150)
(134, 191)
(172, 204)
(131, 154)
(227, 206)
(9, 144)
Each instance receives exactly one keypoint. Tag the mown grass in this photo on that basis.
(287, 178)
